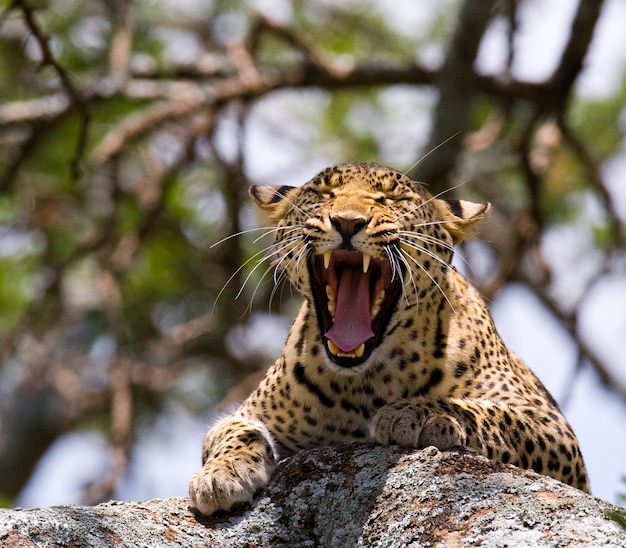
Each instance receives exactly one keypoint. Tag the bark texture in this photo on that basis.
(349, 496)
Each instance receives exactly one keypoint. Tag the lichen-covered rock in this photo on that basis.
(354, 495)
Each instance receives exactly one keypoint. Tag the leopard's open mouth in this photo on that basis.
(355, 296)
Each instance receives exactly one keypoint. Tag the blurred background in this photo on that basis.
(130, 132)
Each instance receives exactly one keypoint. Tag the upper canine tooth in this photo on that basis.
(366, 262)
(327, 255)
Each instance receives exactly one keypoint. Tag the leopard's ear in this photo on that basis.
(461, 218)
(272, 199)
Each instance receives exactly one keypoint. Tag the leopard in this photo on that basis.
(391, 344)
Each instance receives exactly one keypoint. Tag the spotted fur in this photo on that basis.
(427, 368)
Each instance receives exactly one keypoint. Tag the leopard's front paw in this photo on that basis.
(223, 483)
(413, 425)
(238, 457)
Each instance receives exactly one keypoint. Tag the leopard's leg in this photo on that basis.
(515, 434)
(238, 457)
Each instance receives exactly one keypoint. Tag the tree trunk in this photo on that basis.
(354, 495)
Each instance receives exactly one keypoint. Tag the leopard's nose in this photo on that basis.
(348, 226)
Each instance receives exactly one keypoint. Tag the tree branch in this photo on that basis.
(457, 86)
(581, 34)
(569, 320)
(76, 98)
(592, 169)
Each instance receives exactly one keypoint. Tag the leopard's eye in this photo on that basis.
(325, 193)
(402, 194)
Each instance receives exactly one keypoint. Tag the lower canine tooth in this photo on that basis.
(332, 302)
(378, 300)
(358, 353)
(334, 349)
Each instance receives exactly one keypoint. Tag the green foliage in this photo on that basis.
(18, 277)
(618, 517)
(5, 502)
(50, 164)
(600, 122)
(161, 268)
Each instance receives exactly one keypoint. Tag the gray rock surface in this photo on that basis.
(354, 495)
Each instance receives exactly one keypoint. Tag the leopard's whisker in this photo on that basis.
(266, 254)
(395, 259)
(432, 150)
(239, 269)
(279, 270)
(278, 277)
(285, 259)
(426, 238)
(422, 249)
(425, 270)
(396, 270)
(278, 283)
(251, 273)
(266, 229)
(410, 279)
(267, 270)
(287, 228)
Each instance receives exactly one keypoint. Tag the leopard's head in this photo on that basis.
(362, 241)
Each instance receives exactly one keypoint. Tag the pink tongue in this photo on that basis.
(352, 324)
